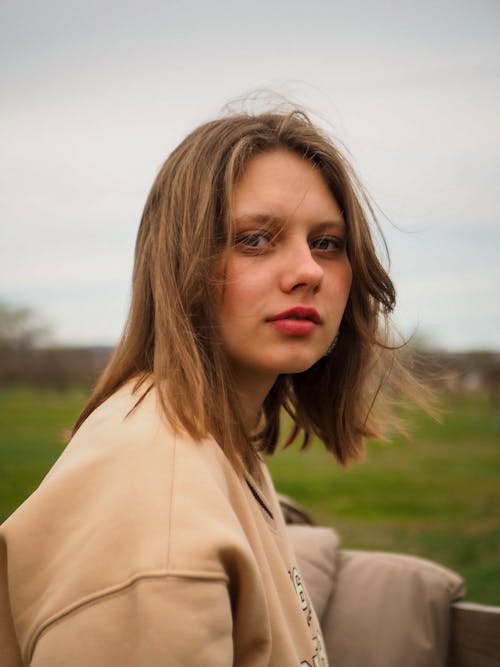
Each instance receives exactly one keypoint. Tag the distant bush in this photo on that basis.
(20, 328)
(466, 372)
(57, 367)
(26, 357)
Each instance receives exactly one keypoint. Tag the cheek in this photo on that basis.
(230, 285)
(243, 287)
(229, 301)
(234, 300)
(230, 289)
(342, 281)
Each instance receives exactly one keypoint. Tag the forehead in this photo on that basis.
(282, 184)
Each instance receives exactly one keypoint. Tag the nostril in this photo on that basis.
(301, 271)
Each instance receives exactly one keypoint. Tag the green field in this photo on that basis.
(436, 494)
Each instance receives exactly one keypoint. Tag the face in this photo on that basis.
(287, 278)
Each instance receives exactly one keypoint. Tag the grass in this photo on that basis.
(436, 494)
(33, 431)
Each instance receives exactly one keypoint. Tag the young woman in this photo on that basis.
(157, 538)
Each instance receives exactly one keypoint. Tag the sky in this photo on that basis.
(95, 95)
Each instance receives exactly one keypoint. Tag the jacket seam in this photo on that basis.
(171, 501)
(98, 596)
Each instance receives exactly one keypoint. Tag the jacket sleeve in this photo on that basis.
(152, 622)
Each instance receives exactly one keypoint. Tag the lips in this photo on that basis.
(299, 321)
(298, 313)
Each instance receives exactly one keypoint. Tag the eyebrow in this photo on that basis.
(278, 221)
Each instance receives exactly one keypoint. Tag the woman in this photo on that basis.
(157, 539)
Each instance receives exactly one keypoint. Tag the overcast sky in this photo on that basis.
(96, 94)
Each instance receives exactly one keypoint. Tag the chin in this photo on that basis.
(298, 365)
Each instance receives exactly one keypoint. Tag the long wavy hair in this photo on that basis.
(171, 339)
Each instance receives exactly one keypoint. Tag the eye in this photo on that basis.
(328, 244)
(252, 240)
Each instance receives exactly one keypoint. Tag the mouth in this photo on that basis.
(299, 313)
(300, 321)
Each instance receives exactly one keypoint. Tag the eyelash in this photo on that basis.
(338, 243)
(243, 239)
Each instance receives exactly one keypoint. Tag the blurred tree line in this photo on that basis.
(28, 357)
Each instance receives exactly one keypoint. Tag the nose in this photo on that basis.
(301, 270)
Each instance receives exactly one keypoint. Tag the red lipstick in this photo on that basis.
(298, 321)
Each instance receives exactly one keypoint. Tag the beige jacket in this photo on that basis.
(145, 549)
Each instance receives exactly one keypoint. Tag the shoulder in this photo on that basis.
(126, 484)
(126, 439)
(124, 460)
(127, 500)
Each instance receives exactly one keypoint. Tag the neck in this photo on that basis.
(252, 390)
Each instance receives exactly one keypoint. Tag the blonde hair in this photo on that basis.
(171, 337)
